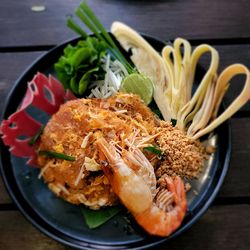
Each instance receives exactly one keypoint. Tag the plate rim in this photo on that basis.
(202, 208)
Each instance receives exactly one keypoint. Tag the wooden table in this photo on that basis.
(225, 24)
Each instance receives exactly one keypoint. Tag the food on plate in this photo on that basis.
(119, 125)
(105, 142)
(126, 122)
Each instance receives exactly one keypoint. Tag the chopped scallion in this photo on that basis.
(34, 139)
(75, 27)
(99, 26)
(154, 150)
(87, 16)
(56, 155)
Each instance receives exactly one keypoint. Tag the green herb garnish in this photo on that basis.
(81, 64)
(96, 218)
(87, 16)
(173, 121)
(34, 139)
(154, 150)
(56, 155)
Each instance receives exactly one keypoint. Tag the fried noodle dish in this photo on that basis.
(115, 136)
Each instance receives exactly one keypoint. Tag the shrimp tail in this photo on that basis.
(163, 220)
(181, 194)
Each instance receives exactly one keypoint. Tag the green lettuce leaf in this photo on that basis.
(74, 67)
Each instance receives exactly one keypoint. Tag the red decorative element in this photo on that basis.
(21, 124)
(35, 94)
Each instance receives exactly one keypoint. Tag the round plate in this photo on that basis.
(63, 221)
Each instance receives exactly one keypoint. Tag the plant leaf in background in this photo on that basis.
(96, 218)
(75, 66)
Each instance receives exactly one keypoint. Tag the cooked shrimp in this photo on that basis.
(159, 216)
(168, 210)
(124, 181)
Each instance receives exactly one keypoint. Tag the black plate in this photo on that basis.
(63, 221)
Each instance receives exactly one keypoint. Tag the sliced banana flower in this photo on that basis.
(194, 107)
(148, 62)
(221, 87)
(180, 79)
(173, 76)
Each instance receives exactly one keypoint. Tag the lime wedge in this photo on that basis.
(140, 85)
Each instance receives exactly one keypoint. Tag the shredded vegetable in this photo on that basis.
(115, 73)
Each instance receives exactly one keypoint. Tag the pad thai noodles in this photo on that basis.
(126, 123)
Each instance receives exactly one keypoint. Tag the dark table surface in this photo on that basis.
(225, 24)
